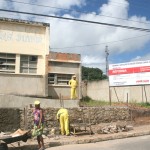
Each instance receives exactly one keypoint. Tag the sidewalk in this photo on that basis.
(81, 139)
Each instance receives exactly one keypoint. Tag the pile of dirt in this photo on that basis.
(130, 105)
(138, 121)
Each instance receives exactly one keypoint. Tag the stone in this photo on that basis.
(128, 128)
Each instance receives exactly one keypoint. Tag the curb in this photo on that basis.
(99, 139)
(84, 140)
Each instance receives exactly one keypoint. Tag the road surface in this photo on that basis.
(134, 143)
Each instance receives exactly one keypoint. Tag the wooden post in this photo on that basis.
(25, 117)
(127, 99)
(60, 100)
(109, 96)
(116, 94)
(142, 93)
(145, 94)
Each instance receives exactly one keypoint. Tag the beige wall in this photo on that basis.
(13, 101)
(25, 38)
(26, 85)
(54, 91)
(99, 90)
(64, 67)
(22, 38)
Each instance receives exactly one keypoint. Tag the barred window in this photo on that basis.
(7, 62)
(28, 64)
(59, 79)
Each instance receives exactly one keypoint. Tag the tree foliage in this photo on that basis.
(92, 74)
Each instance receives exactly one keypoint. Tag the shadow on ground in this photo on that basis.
(33, 147)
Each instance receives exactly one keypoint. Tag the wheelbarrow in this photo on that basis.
(17, 136)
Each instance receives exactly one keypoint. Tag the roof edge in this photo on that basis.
(25, 21)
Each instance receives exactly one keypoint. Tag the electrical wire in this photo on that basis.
(102, 43)
(120, 4)
(79, 20)
(76, 11)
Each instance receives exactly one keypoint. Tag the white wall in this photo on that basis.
(31, 85)
(99, 90)
(11, 101)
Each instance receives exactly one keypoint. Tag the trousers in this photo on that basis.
(64, 124)
(73, 93)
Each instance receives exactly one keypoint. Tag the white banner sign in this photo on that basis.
(130, 73)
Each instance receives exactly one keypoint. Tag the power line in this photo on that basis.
(76, 11)
(91, 44)
(33, 19)
(107, 53)
(79, 20)
(102, 43)
(120, 4)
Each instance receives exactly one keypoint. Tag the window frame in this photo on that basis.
(59, 79)
(27, 64)
(7, 63)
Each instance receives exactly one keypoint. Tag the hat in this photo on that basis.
(74, 76)
(36, 102)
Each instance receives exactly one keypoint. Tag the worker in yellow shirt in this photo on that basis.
(63, 117)
(73, 84)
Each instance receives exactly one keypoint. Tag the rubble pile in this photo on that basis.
(114, 128)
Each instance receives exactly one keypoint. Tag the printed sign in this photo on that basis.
(130, 73)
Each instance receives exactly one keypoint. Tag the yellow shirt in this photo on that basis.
(73, 83)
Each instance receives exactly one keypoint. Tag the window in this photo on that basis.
(51, 78)
(63, 78)
(7, 62)
(28, 64)
(59, 79)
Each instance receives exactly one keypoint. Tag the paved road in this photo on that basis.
(134, 143)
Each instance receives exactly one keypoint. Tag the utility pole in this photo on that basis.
(109, 90)
(107, 53)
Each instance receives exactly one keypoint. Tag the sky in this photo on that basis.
(90, 40)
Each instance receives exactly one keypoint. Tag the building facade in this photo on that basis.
(61, 68)
(27, 67)
(24, 46)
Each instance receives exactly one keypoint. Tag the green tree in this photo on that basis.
(92, 74)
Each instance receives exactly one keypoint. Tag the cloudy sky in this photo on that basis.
(90, 40)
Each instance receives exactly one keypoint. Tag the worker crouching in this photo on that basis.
(63, 118)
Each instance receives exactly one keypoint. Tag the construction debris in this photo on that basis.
(114, 128)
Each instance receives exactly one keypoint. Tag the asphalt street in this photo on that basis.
(134, 143)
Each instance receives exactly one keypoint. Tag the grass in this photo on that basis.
(145, 105)
(87, 101)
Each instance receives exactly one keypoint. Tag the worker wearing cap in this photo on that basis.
(73, 84)
(38, 124)
(63, 118)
